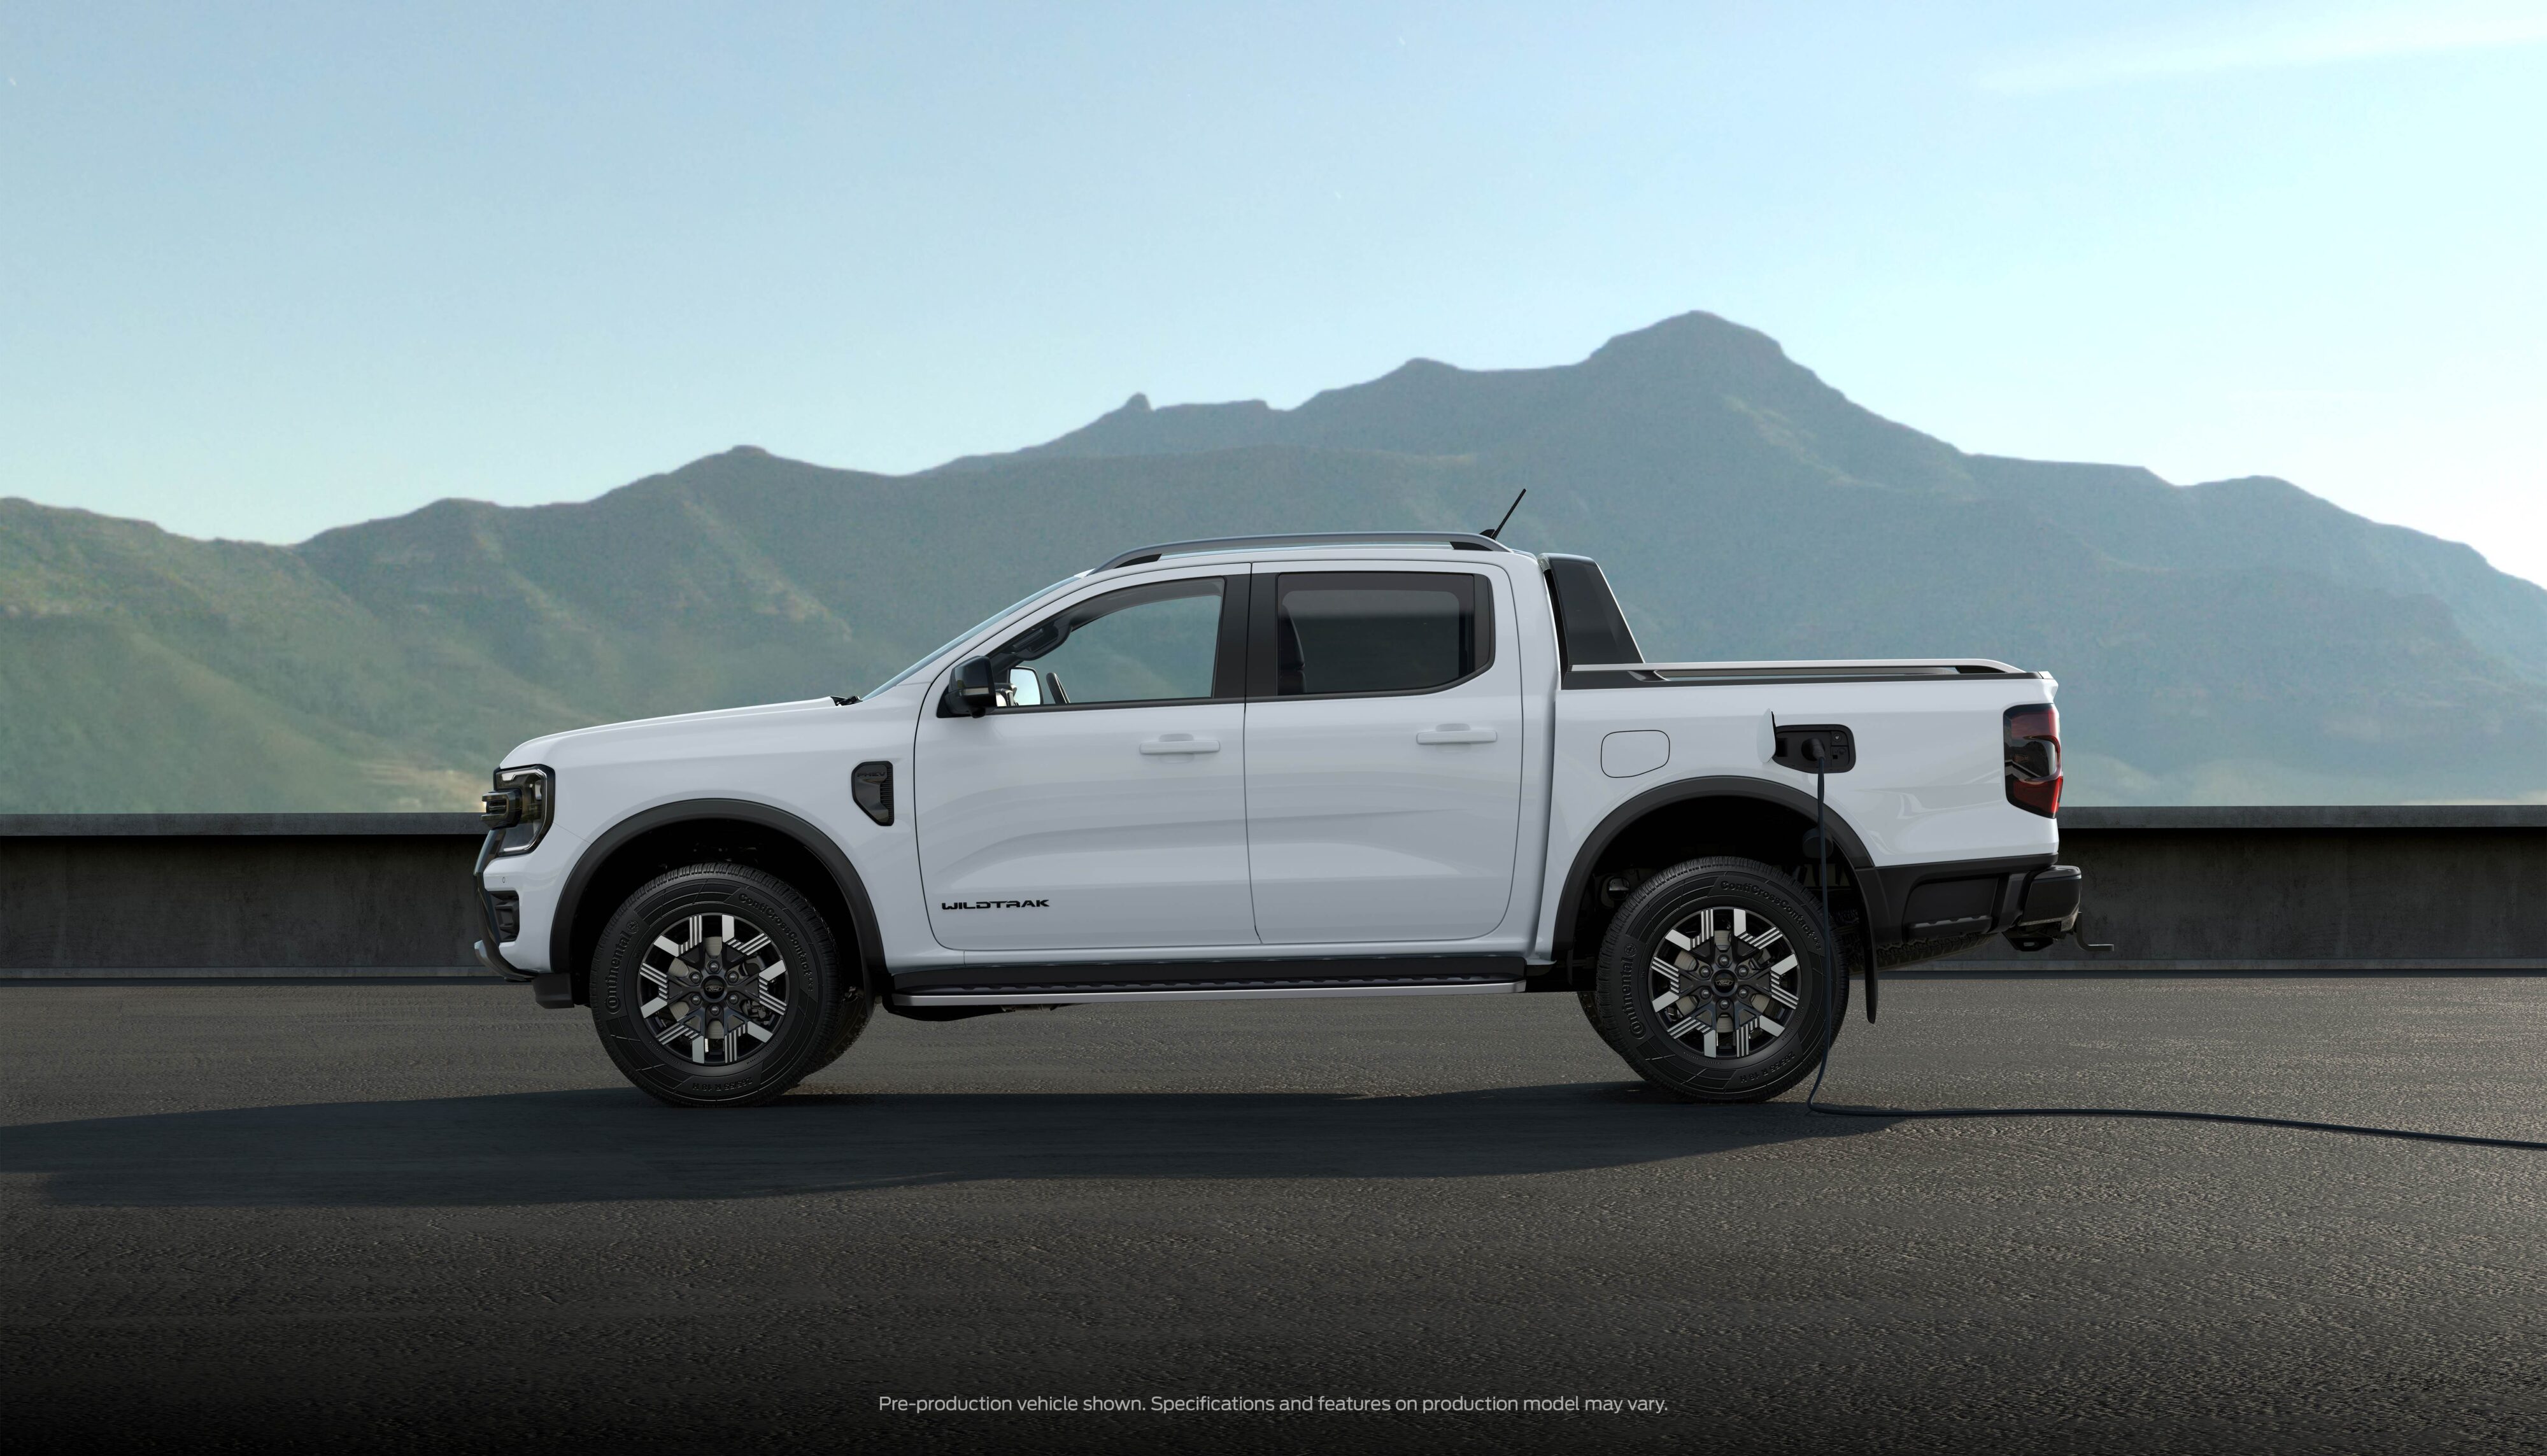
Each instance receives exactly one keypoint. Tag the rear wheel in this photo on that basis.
(1712, 981)
(721, 986)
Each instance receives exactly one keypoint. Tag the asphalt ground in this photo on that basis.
(431, 1218)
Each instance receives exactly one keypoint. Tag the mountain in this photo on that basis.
(2240, 640)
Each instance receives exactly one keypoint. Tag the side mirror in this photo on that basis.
(973, 690)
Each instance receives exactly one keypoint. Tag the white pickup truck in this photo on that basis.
(1376, 764)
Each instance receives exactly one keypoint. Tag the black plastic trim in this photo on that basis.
(1232, 974)
(871, 786)
(508, 907)
(2055, 894)
(1076, 987)
(845, 874)
(1229, 653)
(1900, 879)
(1590, 628)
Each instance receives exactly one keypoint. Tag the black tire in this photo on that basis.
(1590, 998)
(1753, 1042)
(721, 986)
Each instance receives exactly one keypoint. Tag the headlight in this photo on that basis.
(522, 806)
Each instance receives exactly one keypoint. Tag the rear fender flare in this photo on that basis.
(1851, 847)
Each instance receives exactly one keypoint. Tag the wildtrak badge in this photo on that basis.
(995, 905)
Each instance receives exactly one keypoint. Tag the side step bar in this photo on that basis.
(1201, 994)
(1074, 983)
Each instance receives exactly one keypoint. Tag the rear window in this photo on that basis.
(1377, 631)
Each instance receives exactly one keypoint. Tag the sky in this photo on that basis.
(271, 268)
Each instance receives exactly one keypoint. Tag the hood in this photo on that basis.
(617, 739)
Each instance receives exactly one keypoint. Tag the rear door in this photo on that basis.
(1102, 803)
(1383, 753)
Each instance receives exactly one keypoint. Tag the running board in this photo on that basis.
(1205, 993)
(1063, 983)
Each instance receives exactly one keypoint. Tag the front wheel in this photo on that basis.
(1715, 984)
(721, 986)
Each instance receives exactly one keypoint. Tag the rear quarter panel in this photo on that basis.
(1928, 785)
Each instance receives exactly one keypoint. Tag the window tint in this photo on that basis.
(1372, 631)
(1141, 645)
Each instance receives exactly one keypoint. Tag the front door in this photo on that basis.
(1383, 756)
(1102, 803)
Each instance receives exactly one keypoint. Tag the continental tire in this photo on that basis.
(1710, 983)
(1590, 999)
(721, 986)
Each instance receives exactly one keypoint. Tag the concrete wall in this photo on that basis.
(209, 893)
(2378, 888)
(2171, 888)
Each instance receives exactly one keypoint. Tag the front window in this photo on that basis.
(1150, 644)
(951, 644)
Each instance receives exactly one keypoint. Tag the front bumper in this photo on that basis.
(552, 989)
(491, 934)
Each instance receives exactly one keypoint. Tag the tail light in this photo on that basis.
(2034, 758)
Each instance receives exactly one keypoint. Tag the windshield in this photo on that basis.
(949, 645)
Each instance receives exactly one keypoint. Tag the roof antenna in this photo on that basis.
(1497, 534)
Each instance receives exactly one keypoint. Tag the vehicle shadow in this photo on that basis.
(613, 1146)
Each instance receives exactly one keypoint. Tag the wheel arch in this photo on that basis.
(1754, 807)
(747, 832)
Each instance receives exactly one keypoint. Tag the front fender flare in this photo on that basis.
(845, 874)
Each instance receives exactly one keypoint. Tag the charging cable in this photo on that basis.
(1833, 973)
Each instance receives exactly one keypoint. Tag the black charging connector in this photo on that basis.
(1815, 748)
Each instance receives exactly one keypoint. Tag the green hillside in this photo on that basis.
(2235, 642)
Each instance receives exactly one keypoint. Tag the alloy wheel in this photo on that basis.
(1723, 982)
(715, 989)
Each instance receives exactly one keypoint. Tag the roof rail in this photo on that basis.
(1457, 539)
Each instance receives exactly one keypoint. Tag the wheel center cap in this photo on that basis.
(715, 985)
(1724, 983)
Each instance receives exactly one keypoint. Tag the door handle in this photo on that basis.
(1455, 732)
(1180, 744)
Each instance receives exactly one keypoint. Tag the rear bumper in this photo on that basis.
(1961, 900)
(2051, 898)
